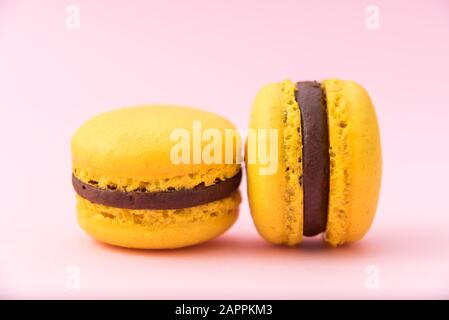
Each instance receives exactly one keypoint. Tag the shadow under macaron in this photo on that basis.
(247, 246)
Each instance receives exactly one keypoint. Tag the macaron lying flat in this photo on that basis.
(132, 190)
(329, 162)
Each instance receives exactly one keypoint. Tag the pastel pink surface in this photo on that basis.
(216, 55)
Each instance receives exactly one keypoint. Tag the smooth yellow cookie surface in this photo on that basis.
(130, 148)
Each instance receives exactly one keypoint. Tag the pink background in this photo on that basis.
(215, 55)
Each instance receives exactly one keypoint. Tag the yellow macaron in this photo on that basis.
(156, 177)
(328, 161)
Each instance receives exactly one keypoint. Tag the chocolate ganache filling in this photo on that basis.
(315, 141)
(170, 199)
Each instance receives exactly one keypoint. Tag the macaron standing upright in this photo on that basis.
(329, 162)
(132, 193)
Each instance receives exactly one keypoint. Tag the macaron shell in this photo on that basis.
(131, 147)
(157, 229)
(275, 206)
(355, 161)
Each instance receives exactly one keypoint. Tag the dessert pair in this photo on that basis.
(158, 177)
